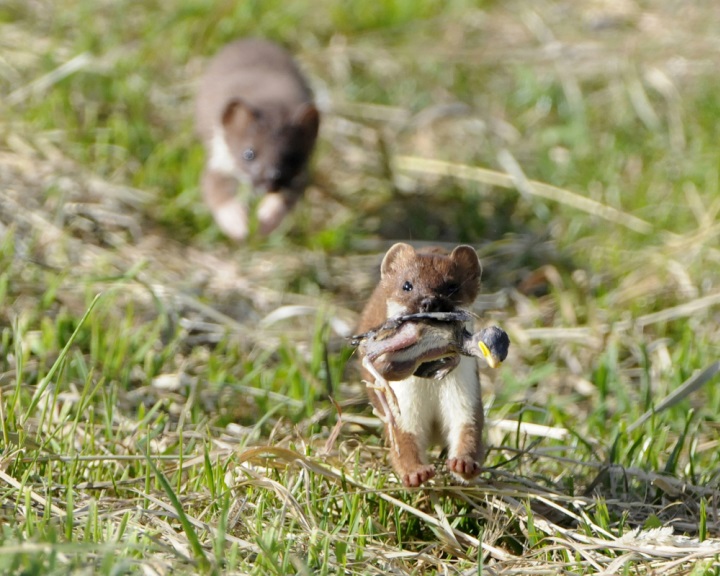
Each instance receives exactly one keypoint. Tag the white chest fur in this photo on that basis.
(446, 406)
(221, 158)
(394, 308)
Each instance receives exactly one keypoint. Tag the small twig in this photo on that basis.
(48, 80)
(335, 432)
(690, 385)
(539, 189)
(679, 311)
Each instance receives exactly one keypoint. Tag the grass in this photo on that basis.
(174, 403)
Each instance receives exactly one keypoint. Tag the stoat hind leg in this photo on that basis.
(464, 419)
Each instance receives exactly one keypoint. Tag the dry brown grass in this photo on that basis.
(558, 496)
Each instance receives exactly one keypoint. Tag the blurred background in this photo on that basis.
(574, 144)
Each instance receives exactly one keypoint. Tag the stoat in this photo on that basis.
(447, 410)
(256, 117)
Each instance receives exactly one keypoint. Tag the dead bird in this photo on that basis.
(428, 345)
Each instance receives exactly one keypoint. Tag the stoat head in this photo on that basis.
(429, 280)
(270, 145)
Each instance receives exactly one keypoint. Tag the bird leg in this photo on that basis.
(387, 399)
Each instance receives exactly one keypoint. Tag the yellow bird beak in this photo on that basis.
(490, 358)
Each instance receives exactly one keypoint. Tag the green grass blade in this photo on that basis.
(190, 533)
(60, 360)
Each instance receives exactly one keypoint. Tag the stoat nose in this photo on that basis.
(435, 304)
(274, 177)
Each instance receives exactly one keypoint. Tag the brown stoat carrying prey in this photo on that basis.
(415, 338)
(256, 117)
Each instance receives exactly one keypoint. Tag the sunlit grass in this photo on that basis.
(170, 426)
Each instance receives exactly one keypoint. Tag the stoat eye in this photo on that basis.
(407, 287)
(248, 154)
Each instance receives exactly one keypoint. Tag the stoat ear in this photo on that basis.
(308, 118)
(237, 115)
(467, 260)
(394, 256)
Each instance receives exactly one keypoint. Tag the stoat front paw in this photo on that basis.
(418, 476)
(271, 211)
(463, 466)
(231, 217)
